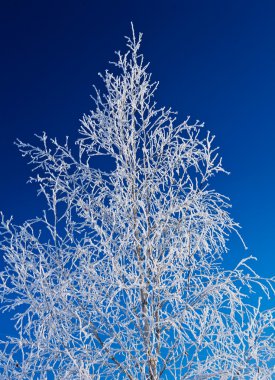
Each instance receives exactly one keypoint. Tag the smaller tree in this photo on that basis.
(122, 277)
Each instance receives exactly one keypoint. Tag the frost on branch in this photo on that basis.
(121, 277)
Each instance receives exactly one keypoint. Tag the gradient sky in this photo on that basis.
(215, 61)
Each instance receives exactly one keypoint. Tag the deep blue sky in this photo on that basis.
(215, 61)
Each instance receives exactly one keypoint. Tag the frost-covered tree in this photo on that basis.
(122, 276)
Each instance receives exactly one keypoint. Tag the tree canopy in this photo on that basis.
(122, 276)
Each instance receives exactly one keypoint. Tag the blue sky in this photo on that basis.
(215, 61)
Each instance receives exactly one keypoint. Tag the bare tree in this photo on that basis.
(122, 277)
